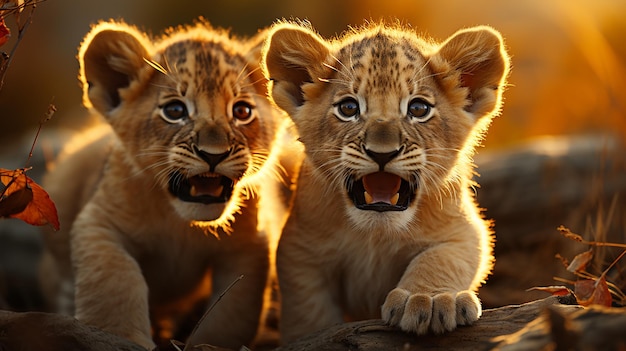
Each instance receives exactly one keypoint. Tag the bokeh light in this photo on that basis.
(568, 56)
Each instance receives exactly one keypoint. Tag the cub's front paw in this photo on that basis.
(418, 313)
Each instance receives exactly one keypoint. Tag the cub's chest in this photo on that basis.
(176, 261)
(368, 273)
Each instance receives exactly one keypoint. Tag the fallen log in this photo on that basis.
(371, 335)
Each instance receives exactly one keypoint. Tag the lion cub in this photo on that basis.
(383, 222)
(159, 208)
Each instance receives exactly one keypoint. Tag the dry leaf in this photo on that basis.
(556, 290)
(24, 199)
(580, 262)
(5, 33)
(593, 292)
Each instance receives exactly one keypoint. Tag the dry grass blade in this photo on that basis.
(47, 116)
(576, 237)
(568, 234)
(205, 315)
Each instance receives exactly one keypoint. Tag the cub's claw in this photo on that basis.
(468, 308)
(393, 309)
(419, 313)
(444, 313)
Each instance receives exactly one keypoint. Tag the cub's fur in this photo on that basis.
(159, 209)
(383, 222)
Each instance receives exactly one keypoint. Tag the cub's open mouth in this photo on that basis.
(206, 188)
(381, 191)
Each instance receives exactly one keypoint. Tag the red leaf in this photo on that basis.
(580, 262)
(593, 292)
(15, 195)
(24, 199)
(5, 33)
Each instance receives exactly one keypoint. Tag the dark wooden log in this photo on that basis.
(373, 335)
(547, 324)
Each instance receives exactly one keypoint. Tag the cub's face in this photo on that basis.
(384, 116)
(190, 110)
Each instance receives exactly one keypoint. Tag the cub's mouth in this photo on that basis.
(381, 191)
(206, 188)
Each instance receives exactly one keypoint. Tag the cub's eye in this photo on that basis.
(419, 110)
(243, 112)
(174, 111)
(347, 109)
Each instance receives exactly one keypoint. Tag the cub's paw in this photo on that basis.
(419, 313)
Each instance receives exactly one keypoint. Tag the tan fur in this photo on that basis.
(419, 267)
(138, 249)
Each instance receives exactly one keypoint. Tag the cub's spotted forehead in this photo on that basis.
(203, 61)
(203, 53)
(382, 59)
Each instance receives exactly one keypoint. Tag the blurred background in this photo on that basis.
(568, 81)
(568, 56)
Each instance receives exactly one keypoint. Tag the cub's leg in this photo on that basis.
(234, 319)
(433, 295)
(111, 292)
(56, 284)
(307, 301)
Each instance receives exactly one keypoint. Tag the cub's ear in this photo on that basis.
(111, 57)
(294, 55)
(478, 59)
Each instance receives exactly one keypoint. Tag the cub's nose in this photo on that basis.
(382, 158)
(211, 159)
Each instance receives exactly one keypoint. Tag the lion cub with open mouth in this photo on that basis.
(384, 223)
(159, 209)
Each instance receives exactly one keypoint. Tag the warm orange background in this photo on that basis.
(569, 73)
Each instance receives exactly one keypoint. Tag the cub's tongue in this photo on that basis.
(205, 186)
(381, 187)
